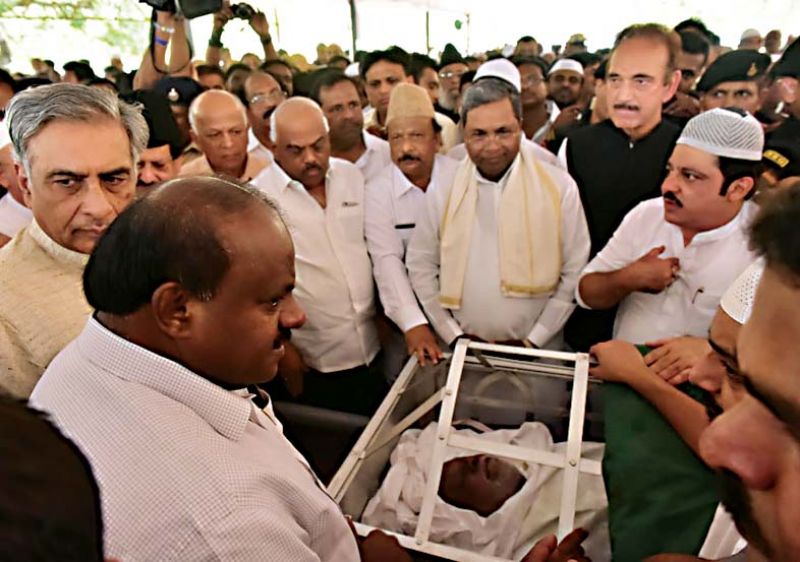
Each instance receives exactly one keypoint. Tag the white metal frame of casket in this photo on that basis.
(371, 451)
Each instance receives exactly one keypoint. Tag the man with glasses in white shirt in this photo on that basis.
(262, 95)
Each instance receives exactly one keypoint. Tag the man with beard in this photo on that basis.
(337, 95)
(451, 67)
(755, 444)
(219, 128)
(161, 161)
(394, 200)
(262, 95)
(323, 200)
(564, 82)
(76, 149)
(382, 71)
(672, 257)
(621, 162)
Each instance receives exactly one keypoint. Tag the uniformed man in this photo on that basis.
(787, 72)
(735, 79)
(620, 162)
(393, 201)
(181, 91)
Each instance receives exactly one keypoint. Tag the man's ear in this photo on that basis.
(172, 310)
(193, 136)
(675, 81)
(23, 182)
(740, 189)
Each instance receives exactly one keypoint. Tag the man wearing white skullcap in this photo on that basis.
(671, 259)
(564, 82)
(14, 215)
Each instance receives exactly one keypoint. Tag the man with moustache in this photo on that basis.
(735, 79)
(323, 199)
(76, 149)
(262, 95)
(337, 95)
(451, 67)
(394, 200)
(538, 112)
(162, 159)
(192, 291)
(564, 82)
(219, 128)
(621, 162)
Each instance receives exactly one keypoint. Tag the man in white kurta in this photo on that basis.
(77, 173)
(531, 308)
(14, 215)
(393, 202)
(672, 258)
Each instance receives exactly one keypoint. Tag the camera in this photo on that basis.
(189, 8)
(243, 11)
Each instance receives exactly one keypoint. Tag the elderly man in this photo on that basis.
(219, 128)
(323, 200)
(564, 82)
(620, 162)
(451, 67)
(337, 95)
(77, 149)
(14, 215)
(162, 159)
(192, 288)
(496, 254)
(671, 259)
(751, 39)
(262, 95)
(394, 200)
(735, 79)
(381, 72)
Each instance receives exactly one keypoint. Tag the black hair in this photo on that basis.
(328, 78)
(734, 169)
(417, 65)
(338, 58)
(519, 60)
(239, 91)
(237, 66)
(586, 58)
(695, 44)
(695, 24)
(393, 55)
(49, 500)
(6, 78)
(166, 238)
(272, 62)
(466, 78)
(774, 234)
(208, 69)
(82, 71)
(525, 39)
(103, 82)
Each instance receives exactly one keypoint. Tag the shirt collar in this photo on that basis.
(54, 249)
(226, 411)
(403, 185)
(739, 222)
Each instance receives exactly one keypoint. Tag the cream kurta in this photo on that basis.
(42, 306)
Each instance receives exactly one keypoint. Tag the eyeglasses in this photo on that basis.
(452, 74)
(273, 97)
(480, 138)
(531, 80)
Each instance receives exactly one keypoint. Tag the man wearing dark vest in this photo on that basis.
(621, 162)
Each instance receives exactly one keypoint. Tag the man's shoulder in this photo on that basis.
(198, 166)
(381, 181)
(443, 120)
(649, 211)
(341, 169)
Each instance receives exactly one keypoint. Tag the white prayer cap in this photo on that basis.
(731, 133)
(569, 65)
(352, 70)
(503, 69)
(750, 34)
(737, 302)
(5, 137)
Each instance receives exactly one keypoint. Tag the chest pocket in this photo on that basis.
(701, 312)
(349, 217)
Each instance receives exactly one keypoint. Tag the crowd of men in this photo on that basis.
(185, 243)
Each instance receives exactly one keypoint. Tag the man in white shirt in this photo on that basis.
(323, 201)
(337, 95)
(219, 128)
(672, 258)
(393, 201)
(497, 255)
(381, 72)
(262, 95)
(14, 215)
(192, 289)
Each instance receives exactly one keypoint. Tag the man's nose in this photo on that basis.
(292, 314)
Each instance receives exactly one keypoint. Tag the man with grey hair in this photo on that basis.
(495, 255)
(219, 128)
(76, 149)
(323, 200)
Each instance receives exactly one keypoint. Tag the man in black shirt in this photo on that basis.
(787, 71)
(620, 162)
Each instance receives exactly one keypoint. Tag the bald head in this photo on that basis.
(300, 133)
(219, 128)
